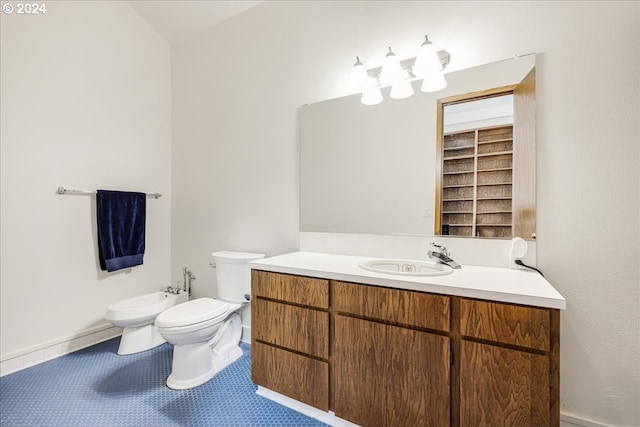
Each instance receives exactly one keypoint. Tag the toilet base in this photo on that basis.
(216, 365)
(195, 364)
(139, 338)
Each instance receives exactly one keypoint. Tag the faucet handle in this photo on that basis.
(443, 249)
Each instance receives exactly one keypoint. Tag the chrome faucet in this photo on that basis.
(172, 290)
(442, 256)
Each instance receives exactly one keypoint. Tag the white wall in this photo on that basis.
(236, 89)
(86, 104)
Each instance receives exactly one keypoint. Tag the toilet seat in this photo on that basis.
(192, 315)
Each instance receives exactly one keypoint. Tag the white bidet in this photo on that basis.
(137, 315)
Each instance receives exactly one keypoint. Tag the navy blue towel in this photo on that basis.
(121, 227)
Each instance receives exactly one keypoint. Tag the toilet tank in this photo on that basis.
(233, 274)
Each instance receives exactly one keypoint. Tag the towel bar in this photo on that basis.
(62, 190)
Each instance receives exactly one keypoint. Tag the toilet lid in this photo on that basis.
(231, 257)
(192, 312)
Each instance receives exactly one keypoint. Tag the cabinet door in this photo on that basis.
(390, 376)
(501, 386)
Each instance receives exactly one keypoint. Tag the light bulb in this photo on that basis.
(359, 76)
(427, 60)
(433, 82)
(391, 69)
(401, 89)
(371, 96)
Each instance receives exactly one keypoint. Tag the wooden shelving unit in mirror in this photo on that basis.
(477, 179)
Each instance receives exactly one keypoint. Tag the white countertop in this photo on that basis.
(489, 283)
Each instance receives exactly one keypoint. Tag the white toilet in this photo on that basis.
(206, 332)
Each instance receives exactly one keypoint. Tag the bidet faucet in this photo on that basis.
(442, 256)
(172, 290)
(187, 276)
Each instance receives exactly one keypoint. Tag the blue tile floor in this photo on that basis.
(96, 387)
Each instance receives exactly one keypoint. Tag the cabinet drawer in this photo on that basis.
(297, 328)
(505, 323)
(299, 377)
(392, 305)
(306, 291)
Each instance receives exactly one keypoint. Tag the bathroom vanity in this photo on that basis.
(348, 346)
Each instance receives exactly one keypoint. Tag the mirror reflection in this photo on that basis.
(477, 167)
(378, 169)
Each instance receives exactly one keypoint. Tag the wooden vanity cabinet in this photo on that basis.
(379, 356)
(390, 356)
(290, 336)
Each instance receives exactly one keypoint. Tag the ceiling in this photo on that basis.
(176, 20)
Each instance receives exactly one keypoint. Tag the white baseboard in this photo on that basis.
(35, 355)
(322, 416)
(568, 420)
(246, 334)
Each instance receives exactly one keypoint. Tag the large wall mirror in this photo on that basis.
(378, 169)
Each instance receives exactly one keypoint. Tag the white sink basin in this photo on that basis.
(406, 267)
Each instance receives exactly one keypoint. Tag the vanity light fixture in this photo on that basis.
(427, 65)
